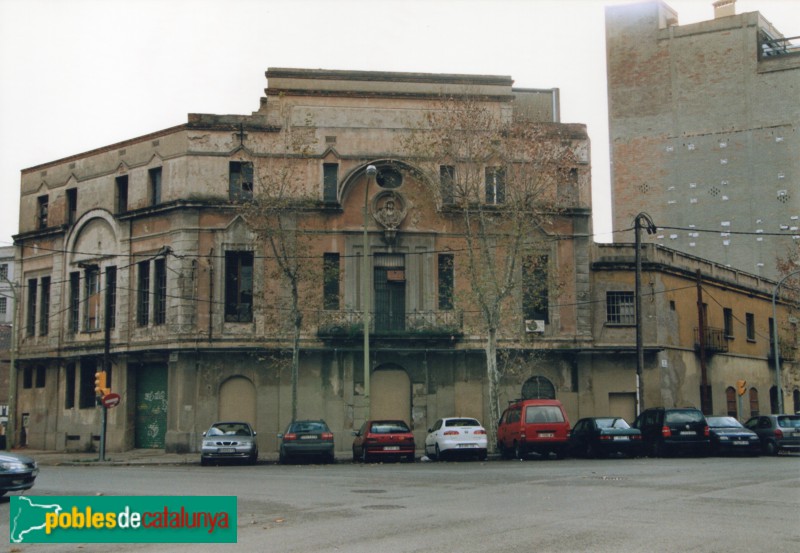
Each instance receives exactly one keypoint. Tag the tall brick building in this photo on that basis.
(704, 132)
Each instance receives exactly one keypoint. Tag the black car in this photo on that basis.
(729, 436)
(776, 432)
(307, 439)
(676, 430)
(600, 436)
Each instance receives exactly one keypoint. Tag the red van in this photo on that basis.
(533, 426)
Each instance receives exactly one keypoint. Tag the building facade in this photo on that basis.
(153, 258)
(703, 124)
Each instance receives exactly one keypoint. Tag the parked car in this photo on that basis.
(17, 472)
(776, 432)
(457, 436)
(533, 426)
(601, 436)
(307, 439)
(667, 431)
(382, 439)
(729, 436)
(229, 441)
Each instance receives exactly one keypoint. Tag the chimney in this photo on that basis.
(724, 8)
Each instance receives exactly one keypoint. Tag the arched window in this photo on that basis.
(730, 398)
(796, 398)
(538, 387)
(754, 402)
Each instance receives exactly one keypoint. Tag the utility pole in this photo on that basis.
(651, 229)
(372, 171)
(11, 435)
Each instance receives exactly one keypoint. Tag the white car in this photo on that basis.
(456, 436)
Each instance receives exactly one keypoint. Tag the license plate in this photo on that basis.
(467, 445)
(547, 435)
(688, 433)
(621, 438)
(227, 450)
(391, 448)
(308, 437)
(739, 442)
(797, 434)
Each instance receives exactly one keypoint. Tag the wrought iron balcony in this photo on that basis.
(714, 340)
(348, 324)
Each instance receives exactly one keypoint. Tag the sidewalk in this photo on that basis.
(131, 457)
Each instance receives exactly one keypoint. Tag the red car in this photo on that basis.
(381, 439)
(533, 426)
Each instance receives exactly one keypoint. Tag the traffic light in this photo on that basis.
(100, 388)
(741, 387)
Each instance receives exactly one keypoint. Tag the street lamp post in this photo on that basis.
(776, 350)
(651, 229)
(372, 171)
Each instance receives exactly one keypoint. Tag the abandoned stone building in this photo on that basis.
(190, 262)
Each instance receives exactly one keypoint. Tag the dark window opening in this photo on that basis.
(238, 286)
(754, 409)
(72, 206)
(330, 280)
(111, 296)
(750, 321)
(143, 294)
(240, 180)
(44, 307)
(155, 185)
(535, 288)
(41, 373)
(30, 327)
(87, 395)
(446, 281)
(27, 378)
(620, 308)
(330, 182)
(447, 179)
(160, 296)
(41, 214)
(495, 185)
(727, 315)
(121, 200)
(91, 314)
(74, 301)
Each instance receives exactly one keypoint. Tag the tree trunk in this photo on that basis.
(494, 393)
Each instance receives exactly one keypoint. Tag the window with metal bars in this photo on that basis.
(160, 295)
(238, 286)
(111, 296)
(620, 308)
(91, 313)
(143, 294)
(44, 307)
(446, 281)
(240, 180)
(30, 327)
(73, 315)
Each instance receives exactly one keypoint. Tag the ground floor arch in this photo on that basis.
(237, 400)
(390, 396)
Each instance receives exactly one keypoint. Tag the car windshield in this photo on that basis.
(723, 422)
(388, 427)
(543, 414)
(461, 422)
(308, 426)
(684, 415)
(229, 429)
(789, 421)
(612, 423)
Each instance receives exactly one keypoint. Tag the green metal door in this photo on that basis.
(151, 406)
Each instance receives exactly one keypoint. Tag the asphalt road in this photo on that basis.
(616, 505)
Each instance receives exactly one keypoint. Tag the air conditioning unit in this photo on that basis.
(535, 326)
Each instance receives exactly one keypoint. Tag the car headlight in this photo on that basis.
(13, 466)
(208, 444)
(723, 438)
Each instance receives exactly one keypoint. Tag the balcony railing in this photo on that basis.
(772, 47)
(714, 340)
(418, 324)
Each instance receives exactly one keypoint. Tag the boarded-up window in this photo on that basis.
(241, 180)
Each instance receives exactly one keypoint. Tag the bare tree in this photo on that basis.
(279, 212)
(502, 182)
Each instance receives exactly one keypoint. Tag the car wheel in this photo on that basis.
(589, 451)
(203, 462)
(355, 457)
(519, 451)
(438, 455)
(364, 456)
(560, 453)
(771, 447)
(658, 449)
(330, 459)
(253, 458)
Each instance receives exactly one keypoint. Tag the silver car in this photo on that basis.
(229, 441)
(17, 472)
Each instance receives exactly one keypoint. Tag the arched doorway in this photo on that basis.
(237, 400)
(538, 387)
(390, 390)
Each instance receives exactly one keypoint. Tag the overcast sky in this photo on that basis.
(80, 74)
